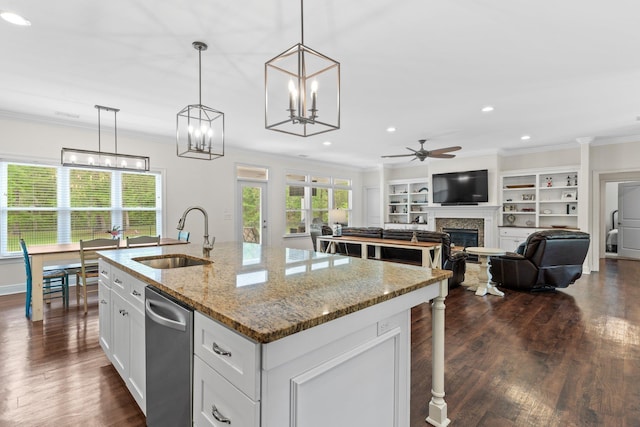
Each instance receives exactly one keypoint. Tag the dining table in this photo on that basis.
(42, 255)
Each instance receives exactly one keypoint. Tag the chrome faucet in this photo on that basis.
(206, 246)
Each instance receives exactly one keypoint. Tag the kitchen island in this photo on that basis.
(309, 339)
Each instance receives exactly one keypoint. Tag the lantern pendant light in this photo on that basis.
(200, 129)
(302, 90)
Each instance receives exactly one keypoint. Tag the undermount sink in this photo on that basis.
(171, 261)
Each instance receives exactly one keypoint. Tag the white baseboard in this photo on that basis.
(19, 288)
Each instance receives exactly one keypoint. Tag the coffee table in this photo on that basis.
(485, 285)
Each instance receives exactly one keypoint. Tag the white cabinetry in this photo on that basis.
(122, 328)
(540, 199)
(104, 299)
(226, 376)
(407, 200)
(511, 237)
(354, 370)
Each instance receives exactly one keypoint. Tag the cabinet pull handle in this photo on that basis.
(123, 312)
(136, 293)
(104, 272)
(218, 416)
(102, 301)
(118, 281)
(218, 350)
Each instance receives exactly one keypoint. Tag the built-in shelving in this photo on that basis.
(407, 200)
(540, 199)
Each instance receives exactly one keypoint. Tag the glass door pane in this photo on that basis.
(253, 216)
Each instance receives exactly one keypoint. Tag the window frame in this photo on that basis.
(307, 210)
(63, 201)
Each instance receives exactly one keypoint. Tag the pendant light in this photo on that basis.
(200, 129)
(101, 159)
(302, 90)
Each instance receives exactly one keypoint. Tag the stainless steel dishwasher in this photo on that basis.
(169, 356)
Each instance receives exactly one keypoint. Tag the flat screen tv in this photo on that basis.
(461, 188)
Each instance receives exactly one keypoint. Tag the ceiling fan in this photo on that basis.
(422, 154)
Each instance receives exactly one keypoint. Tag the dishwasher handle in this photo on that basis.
(180, 324)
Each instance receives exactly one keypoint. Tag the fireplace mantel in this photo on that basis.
(489, 213)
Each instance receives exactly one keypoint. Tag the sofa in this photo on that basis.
(547, 260)
(456, 263)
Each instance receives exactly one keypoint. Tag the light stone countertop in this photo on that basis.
(270, 293)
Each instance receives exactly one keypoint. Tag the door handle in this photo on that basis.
(219, 350)
(218, 416)
(179, 325)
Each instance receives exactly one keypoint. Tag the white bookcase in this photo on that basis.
(407, 200)
(540, 199)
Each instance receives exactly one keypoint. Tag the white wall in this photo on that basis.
(540, 159)
(610, 163)
(210, 184)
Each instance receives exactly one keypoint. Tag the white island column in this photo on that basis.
(437, 405)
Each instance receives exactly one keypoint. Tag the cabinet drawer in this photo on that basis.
(104, 268)
(136, 297)
(211, 392)
(234, 356)
(120, 282)
(516, 232)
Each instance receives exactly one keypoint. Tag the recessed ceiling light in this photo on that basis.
(525, 137)
(487, 109)
(14, 18)
(327, 143)
(391, 129)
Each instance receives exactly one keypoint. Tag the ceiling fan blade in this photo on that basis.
(399, 155)
(434, 153)
(442, 156)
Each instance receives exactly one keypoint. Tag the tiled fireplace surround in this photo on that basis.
(483, 218)
(464, 224)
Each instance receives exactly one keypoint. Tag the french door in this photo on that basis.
(252, 224)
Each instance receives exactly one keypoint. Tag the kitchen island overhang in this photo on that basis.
(296, 302)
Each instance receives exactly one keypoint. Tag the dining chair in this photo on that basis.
(143, 240)
(184, 235)
(88, 274)
(53, 282)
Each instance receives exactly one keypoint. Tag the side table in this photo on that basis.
(485, 285)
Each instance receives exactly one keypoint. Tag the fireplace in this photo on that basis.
(483, 218)
(464, 238)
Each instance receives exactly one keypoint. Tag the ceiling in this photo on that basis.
(554, 70)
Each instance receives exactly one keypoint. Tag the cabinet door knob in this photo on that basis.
(218, 350)
(218, 416)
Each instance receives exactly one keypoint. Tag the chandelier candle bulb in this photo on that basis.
(314, 95)
(292, 97)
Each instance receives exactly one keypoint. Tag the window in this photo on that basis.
(55, 204)
(309, 200)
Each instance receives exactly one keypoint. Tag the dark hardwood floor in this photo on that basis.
(570, 358)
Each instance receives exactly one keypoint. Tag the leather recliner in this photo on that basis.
(549, 259)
